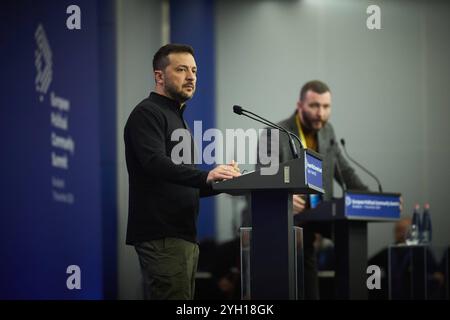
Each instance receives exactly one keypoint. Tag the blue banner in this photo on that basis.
(365, 205)
(52, 224)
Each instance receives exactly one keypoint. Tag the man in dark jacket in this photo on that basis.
(310, 123)
(164, 188)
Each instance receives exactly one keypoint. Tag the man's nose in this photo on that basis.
(191, 75)
(320, 112)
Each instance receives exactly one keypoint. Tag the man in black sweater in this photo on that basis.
(164, 193)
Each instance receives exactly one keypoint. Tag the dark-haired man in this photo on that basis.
(163, 194)
(310, 123)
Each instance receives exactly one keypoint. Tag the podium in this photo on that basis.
(349, 216)
(273, 272)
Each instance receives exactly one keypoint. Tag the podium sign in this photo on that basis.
(313, 172)
(372, 206)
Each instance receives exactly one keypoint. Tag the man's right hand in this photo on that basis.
(223, 172)
(299, 203)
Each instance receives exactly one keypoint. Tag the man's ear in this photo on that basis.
(159, 77)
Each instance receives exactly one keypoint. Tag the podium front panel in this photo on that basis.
(246, 274)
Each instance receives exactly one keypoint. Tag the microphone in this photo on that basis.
(361, 166)
(338, 168)
(241, 111)
(237, 110)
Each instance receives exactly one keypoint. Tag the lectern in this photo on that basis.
(273, 272)
(349, 216)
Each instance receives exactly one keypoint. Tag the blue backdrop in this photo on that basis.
(57, 135)
(192, 22)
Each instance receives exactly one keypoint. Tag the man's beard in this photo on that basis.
(177, 95)
(308, 123)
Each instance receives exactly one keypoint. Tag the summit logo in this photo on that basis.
(43, 63)
(348, 201)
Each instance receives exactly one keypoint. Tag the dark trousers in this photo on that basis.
(168, 268)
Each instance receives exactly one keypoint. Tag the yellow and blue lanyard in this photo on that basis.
(300, 131)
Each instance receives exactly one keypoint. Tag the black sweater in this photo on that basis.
(163, 196)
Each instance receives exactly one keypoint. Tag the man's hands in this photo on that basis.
(224, 172)
(299, 203)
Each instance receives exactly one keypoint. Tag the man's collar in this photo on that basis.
(168, 102)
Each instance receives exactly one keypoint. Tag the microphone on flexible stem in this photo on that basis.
(361, 166)
(338, 168)
(241, 111)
